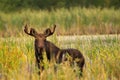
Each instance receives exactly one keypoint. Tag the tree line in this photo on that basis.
(14, 5)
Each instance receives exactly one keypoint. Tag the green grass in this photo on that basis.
(75, 21)
(102, 57)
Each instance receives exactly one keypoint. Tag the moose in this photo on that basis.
(52, 51)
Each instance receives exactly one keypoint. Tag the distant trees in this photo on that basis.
(13, 5)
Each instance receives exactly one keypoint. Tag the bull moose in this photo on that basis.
(42, 45)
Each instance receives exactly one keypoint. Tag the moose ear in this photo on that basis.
(49, 32)
(32, 31)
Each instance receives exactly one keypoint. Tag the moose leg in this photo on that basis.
(37, 62)
(39, 59)
(80, 65)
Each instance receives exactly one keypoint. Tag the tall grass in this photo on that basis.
(17, 61)
(75, 20)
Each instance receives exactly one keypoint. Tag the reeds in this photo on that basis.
(74, 20)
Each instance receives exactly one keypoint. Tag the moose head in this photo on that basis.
(40, 38)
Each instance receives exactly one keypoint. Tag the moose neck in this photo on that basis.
(51, 49)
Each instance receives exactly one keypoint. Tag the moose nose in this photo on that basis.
(41, 45)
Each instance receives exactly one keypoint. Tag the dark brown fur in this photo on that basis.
(52, 51)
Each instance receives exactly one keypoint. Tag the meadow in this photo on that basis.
(102, 57)
(102, 53)
(75, 20)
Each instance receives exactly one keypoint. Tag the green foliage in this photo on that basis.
(16, 5)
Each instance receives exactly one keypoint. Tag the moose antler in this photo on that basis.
(54, 29)
(26, 29)
(49, 32)
(32, 31)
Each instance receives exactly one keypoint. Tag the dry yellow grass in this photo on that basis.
(17, 61)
